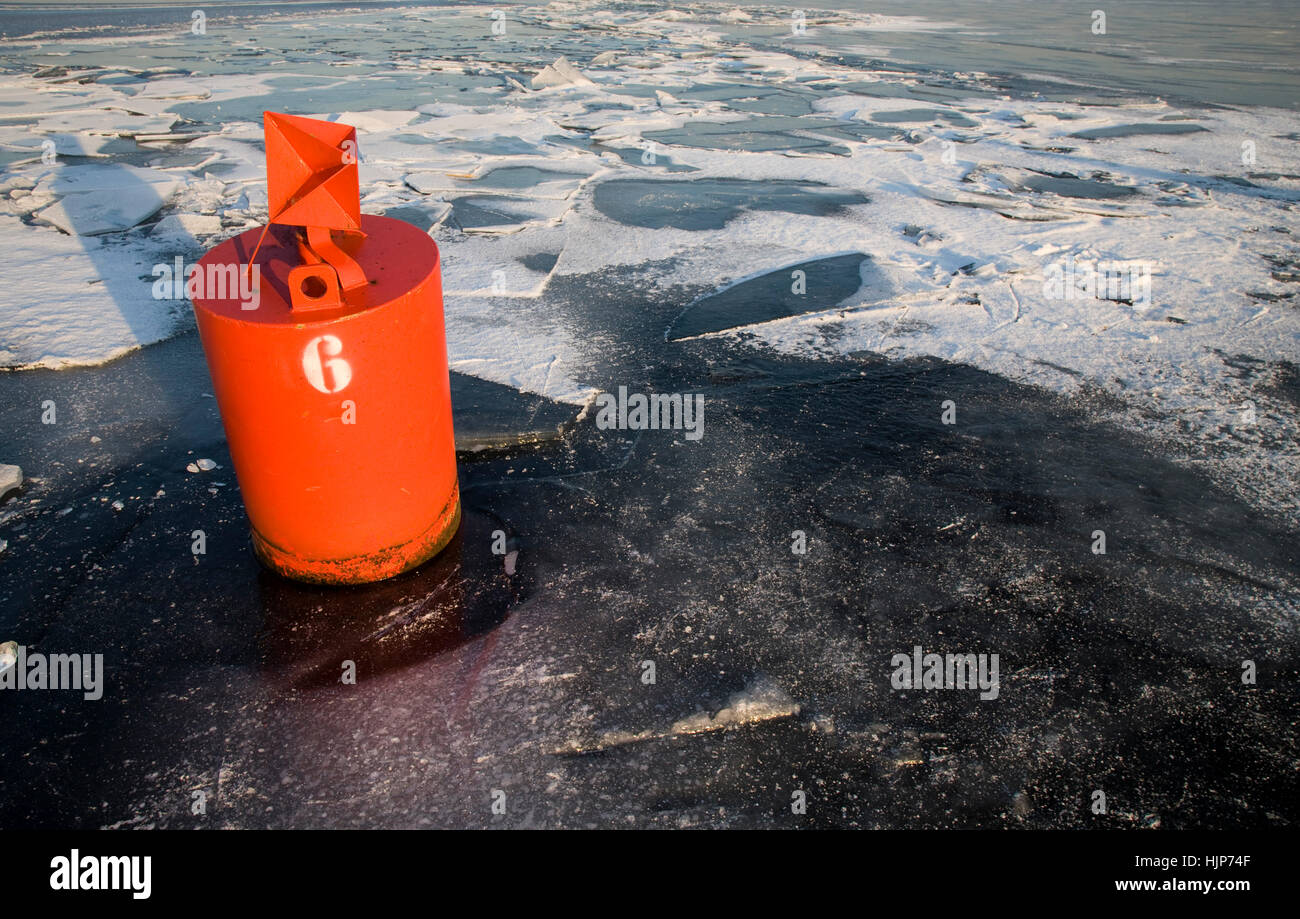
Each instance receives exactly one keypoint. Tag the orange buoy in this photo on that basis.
(328, 356)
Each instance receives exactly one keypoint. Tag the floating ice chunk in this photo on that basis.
(817, 285)
(497, 214)
(203, 465)
(378, 120)
(561, 73)
(605, 57)
(494, 416)
(141, 105)
(708, 204)
(1135, 130)
(761, 700)
(21, 203)
(107, 122)
(70, 144)
(1066, 185)
(103, 198)
(74, 301)
(16, 183)
(10, 478)
(491, 341)
(175, 89)
(8, 650)
(923, 116)
(425, 216)
(183, 226)
(107, 211)
(432, 183)
(241, 160)
(508, 178)
(105, 177)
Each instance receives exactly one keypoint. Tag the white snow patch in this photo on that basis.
(74, 300)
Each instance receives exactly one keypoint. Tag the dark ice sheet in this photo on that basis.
(1119, 672)
(776, 294)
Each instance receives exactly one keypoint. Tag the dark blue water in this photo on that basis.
(16, 22)
(1242, 53)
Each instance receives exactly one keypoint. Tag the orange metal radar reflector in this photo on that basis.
(312, 181)
(311, 172)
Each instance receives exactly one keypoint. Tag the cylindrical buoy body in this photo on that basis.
(338, 418)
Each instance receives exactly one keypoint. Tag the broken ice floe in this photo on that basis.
(61, 144)
(75, 300)
(1136, 130)
(427, 217)
(710, 204)
(108, 122)
(96, 212)
(185, 227)
(102, 198)
(74, 179)
(799, 288)
(11, 478)
(762, 700)
(504, 179)
(560, 73)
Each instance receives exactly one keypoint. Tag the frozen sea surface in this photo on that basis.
(832, 232)
(721, 144)
(525, 673)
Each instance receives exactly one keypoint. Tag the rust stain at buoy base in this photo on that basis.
(363, 569)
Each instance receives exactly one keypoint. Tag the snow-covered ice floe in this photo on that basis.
(1081, 238)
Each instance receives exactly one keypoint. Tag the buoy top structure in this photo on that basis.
(329, 363)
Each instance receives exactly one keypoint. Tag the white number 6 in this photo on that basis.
(340, 371)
